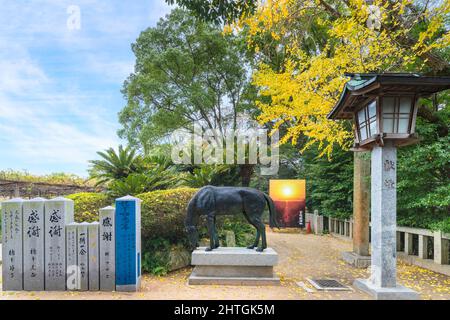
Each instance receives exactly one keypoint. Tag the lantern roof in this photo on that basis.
(363, 87)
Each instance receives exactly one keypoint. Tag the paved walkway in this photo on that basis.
(301, 256)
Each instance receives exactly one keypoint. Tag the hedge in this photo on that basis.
(163, 213)
(164, 240)
(87, 205)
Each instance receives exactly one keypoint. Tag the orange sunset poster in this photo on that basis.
(289, 197)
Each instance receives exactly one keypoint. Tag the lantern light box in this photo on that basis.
(289, 197)
(384, 106)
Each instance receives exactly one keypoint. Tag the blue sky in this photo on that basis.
(60, 87)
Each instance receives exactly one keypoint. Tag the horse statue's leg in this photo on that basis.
(216, 236)
(253, 211)
(255, 244)
(211, 231)
(255, 220)
(262, 229)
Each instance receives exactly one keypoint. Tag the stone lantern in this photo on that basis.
(383, 108)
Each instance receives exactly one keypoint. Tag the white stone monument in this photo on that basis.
(12, 266)
(382, 283)
(58, 213)
(83, 255)
(107, 249)
(93, 258)
(128, 243)
(33, 244)
(72, 270)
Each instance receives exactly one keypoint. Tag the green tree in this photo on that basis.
(217, 11)
(424, 172)
(115, 165)
(186, 72)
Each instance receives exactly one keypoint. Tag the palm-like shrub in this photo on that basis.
(204, 175)
(134, 184)
(156, 177)
(159, 159)
(115, 165)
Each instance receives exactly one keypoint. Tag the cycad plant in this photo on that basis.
(115, 165)
(204, 175)
(155, 178)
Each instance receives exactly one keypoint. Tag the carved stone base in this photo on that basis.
(379, 293)
(234, 266)
(356, 260)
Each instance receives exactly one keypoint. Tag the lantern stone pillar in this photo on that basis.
(384, 110)
(382, 282)
(360, 257)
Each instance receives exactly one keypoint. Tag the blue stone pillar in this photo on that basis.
(128, 243)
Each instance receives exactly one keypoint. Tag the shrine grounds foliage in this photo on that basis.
(87, 204)
(296, 80)
(164, 241)
(422, 174)
(163, 213)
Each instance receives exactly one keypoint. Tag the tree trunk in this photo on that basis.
(361, 201)
(246, 172)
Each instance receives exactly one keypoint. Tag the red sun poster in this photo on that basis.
(289, 197)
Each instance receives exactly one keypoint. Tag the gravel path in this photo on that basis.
(301, 256)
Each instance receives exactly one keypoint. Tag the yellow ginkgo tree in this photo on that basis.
(306, 47)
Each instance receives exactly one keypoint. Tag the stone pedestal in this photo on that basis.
(128, 244)
(58, 213)
(384, 293)
(382, 282)
(234, 266)
(107, 249)
(72, 271)
(356, 260)
(93, 266)
(12, 267)
(33, 244)
(83, 255)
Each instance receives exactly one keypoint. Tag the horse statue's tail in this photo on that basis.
(272, 212)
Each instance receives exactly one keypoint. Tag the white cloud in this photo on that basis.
(60, 89)
(113, 71)
(47, 134)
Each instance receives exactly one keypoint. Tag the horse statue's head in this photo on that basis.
(192, 236)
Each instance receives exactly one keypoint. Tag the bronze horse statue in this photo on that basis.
(212, 201)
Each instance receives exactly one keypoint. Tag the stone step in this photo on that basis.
(234, 271)
(234, 281)
(234, 256)
(234, 266)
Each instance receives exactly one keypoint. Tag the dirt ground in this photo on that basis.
(301, 256)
